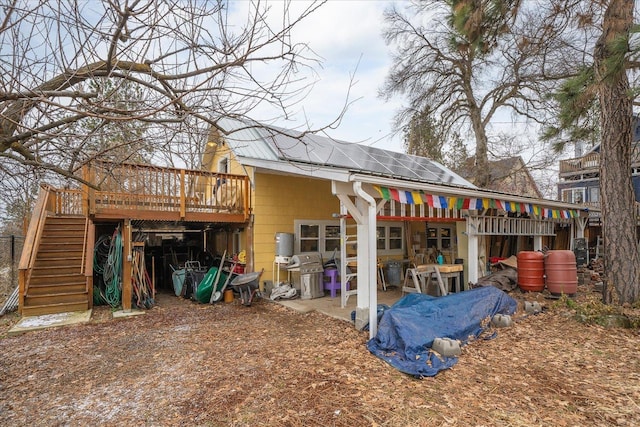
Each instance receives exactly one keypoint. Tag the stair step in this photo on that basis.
(53, 288)
(54, 308)
(56, 279)
(57, 262)
(61, 246)
(66, 219)
(49, 299)
(69, 268)
(59, 253)
(68, 237)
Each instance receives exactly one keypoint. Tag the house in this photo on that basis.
(508, 175)
(579, 183)
(397, 205)
(362, 204)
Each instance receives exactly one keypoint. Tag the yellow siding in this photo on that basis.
(279, 200)
(218, 151)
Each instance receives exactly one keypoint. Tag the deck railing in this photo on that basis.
(167, 190)
(32, 241)
(591, 162)
(582, 164)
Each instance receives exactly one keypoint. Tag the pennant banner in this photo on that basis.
(419, 197)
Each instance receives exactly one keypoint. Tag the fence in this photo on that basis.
(10, 251)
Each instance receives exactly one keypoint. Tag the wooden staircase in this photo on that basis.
(57, 282)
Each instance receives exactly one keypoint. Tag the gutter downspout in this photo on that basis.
(371, 256)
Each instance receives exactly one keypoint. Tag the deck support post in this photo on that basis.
(126, 266)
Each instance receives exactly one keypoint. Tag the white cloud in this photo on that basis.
(347, 36)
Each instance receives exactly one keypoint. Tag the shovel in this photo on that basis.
(217, 295)
(217, 279)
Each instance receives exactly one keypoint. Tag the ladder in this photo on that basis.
(348, 240)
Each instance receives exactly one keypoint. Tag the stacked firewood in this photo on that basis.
(591, 276)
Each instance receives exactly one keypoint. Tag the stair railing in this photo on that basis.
(32, 242)
(87, 254)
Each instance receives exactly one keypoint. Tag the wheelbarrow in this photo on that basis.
(247, 286)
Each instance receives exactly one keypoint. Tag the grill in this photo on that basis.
(309, 265)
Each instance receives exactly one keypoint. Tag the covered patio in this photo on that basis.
(478, 213)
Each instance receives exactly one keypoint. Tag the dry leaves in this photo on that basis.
(228, 365)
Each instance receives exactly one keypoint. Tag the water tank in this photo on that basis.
(562, 274)
(284, 244)
(531, 271)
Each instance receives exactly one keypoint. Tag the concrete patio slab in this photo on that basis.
(32, 323)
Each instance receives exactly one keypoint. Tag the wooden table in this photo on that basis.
(422, 275)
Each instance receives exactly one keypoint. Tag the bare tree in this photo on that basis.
(469, 61)
(189, 60)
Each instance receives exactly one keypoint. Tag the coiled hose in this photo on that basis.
(112, 270)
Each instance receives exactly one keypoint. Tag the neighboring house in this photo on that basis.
(579, 183)
(509, 175)
(257, 182)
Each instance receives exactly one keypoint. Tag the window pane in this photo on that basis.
(594, 194)
(381, 238)
(395, 232)
(395, 238)
(308, 246)
(578, 196)
(331, 245)
(332, 231)
(307, 231)
(446, 243)
(395, 243)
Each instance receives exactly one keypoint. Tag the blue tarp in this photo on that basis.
(406, 331)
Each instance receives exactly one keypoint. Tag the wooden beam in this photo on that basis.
(126, 266)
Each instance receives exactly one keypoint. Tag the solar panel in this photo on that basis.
(272, 143)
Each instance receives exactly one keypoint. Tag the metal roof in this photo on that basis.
(255, 141)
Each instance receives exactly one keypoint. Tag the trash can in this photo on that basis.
(462, 286)
(393, 273)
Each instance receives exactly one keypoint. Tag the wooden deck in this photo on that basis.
(56, 273)
(141, 192)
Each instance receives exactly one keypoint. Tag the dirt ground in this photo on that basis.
(186, 364)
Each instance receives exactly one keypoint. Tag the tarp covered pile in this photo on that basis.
(407, 330)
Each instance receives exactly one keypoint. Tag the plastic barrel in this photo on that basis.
(531, 271)
(562, 273)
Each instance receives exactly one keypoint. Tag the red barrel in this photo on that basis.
(531, 271)
(562, 273)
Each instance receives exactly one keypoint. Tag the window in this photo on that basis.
(573, 195)
(324, 237)
(440, 237)
(317, 236)
(389, 239)
(332, 238)
(594, 194)
(309, 238)
(223, 165)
